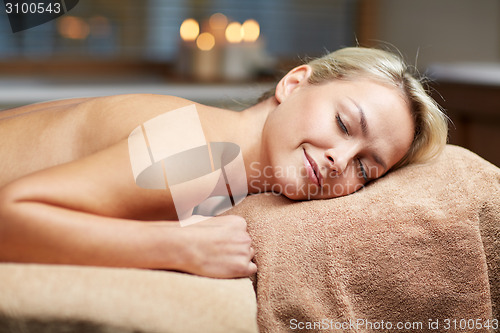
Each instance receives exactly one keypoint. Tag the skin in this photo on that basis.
(326, 121)
(68, 196)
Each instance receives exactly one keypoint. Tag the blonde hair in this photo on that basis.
(431, 124)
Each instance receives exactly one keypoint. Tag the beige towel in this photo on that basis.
(57, 299)
(418, 248)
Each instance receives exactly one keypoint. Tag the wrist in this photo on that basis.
(166, 246)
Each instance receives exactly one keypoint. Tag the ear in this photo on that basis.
(293, 79)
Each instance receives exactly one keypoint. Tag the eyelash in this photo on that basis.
(363, 171)
(344, 129)
(341, 124)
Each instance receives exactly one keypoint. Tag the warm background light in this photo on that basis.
(73, 27)
(100, 26)
(189, 29)
(218, 21)
(251, 30)
(205, 41)
(234, 32)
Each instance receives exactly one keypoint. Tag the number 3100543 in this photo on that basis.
(33, 8)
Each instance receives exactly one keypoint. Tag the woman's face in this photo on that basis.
(328, 140)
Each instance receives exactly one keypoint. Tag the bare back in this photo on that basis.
(44, 135)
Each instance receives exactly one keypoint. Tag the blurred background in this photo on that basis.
(228, 52)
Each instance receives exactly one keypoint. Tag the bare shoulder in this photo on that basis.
(134, 106)
(117, 116)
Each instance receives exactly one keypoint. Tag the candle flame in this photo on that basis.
(251, 30)
(218, 21)
(189, 30)
(205, 41)
(234, 32)
(73, 27)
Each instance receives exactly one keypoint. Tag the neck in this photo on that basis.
(244, 129)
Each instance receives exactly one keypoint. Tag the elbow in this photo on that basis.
(5, 207)
(9, 196)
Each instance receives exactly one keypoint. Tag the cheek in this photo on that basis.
(281, 124)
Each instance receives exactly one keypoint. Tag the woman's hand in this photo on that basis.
(219, 247)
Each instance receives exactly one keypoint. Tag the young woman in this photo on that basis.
(68, 194)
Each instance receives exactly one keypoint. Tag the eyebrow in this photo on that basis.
(364, 129)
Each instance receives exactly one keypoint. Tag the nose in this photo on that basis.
(339, 158)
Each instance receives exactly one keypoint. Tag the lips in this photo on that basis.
(312, 169)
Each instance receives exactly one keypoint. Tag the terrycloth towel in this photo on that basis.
(419, 248)
(60, 299)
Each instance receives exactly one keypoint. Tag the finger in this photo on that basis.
(252, 252)
(252, 268)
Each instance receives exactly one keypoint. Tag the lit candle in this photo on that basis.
(235, 67)
(253, 47)
(206, 58)
(244, 54)
(189, 31)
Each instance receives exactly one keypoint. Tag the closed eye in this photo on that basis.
(363, 170)
(341, 124)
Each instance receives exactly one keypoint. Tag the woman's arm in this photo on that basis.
(88, 212)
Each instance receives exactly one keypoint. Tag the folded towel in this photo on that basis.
(418, 248)
(55, 298)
